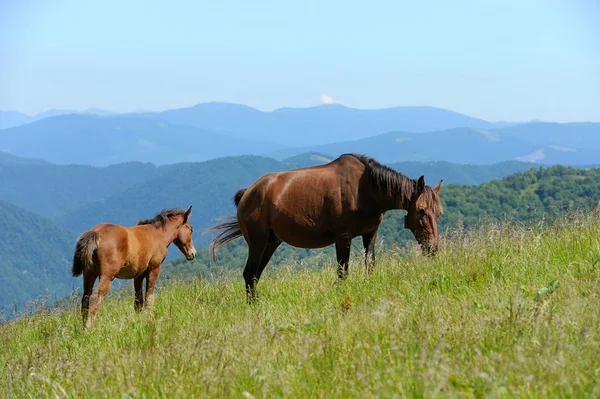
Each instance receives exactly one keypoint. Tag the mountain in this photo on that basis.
(48, 189)
(96, 140)
(12, 118)
(35, 256)
(315, 125)
(575, 144)
(9, 159)
(463, 145)
(60, 112)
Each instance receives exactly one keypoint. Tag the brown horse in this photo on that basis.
(328, 204)
(112, 251)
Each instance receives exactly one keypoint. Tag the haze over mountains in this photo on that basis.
(214, 130)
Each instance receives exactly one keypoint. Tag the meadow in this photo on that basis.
(502, 311)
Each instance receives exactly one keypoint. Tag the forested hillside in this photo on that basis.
(35, 257)
(48, 189)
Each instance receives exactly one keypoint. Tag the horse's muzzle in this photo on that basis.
(191, 255)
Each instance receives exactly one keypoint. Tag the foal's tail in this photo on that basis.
(230, 230)
(84, 252)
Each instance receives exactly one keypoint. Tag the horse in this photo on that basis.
(328, 204)
(112, 251)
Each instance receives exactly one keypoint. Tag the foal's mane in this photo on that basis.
(161, 218)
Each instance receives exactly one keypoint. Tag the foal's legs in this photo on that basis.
(369, 240)
(103, 287)
(89, 278)
(342, 251)
(150, 282)
(138, 285)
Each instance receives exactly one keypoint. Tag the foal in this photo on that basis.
(112, 251)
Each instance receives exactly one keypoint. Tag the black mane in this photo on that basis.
(161, 218)
(386, 179)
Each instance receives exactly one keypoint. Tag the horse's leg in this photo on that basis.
(138, 286)
(103, 287)
(342, 251)
(369, 240)
(150, 283)
(89, 278)
(272, 245)
(255, 252)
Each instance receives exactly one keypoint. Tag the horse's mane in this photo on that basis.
(386, 179)
(390, 182)
(161, 218)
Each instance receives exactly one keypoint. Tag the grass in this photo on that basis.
(502, 311)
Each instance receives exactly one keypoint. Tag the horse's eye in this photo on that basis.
(421, 212)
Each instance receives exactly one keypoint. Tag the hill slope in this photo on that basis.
(501, 312)
(35, 256)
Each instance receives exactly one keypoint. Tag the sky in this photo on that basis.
(512, 60)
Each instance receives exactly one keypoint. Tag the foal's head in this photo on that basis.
(423, 213)
(183, 240)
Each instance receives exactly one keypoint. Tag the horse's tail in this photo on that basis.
(85, 249)
(238, 196)
(230, 230)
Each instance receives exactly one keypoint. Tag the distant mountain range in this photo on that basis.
(98, 140)
(14, 119)
(545, 143)
(213, 130)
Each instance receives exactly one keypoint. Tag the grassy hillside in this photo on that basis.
(35, 257)
(503, 311)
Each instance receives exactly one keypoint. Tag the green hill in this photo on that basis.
(48, 189)
(35, 257)
(504, 311)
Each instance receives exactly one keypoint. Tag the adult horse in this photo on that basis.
(328, 204)
(112, 251)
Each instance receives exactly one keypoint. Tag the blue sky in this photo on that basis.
(497, 60)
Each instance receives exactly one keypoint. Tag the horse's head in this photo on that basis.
(423, 213)
(183, 241)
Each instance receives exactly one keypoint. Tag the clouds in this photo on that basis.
(325, 99)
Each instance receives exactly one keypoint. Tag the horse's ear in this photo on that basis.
(436, 189)
(188, 213)
(421, 184)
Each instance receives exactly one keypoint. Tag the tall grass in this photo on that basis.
(501, 311)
